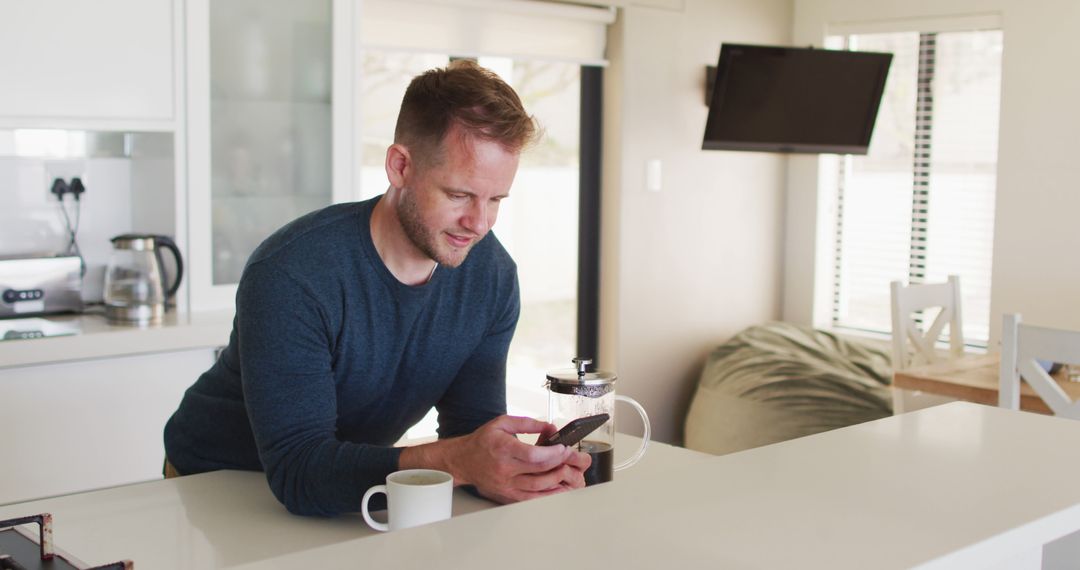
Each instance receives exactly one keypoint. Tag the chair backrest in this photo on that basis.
(1021, 346)
(913, 298)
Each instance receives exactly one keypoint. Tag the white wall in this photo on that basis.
(1037, 227)
(1036, 267)
(685, 268)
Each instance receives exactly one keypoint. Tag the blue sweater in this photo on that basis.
(331, 359)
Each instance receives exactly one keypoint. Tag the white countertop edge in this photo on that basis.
(102, 340)
(997, 551)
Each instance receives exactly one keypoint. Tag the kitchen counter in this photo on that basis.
(86, 410)
(230, 518)
(90, 336)
(212, 520)
(956, 486)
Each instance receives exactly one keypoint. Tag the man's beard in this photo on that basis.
(421, 236)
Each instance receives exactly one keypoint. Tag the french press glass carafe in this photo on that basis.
(574, 393)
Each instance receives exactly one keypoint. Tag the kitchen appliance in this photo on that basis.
(40, 285)
(576, 393)
(19, 550)
(135, 291)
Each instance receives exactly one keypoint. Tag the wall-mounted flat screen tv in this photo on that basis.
(786, 99)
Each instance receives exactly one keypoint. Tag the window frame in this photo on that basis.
(832, 174)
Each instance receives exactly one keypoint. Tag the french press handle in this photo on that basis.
(645, 437)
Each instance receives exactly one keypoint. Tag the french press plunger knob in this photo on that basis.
(581, 364)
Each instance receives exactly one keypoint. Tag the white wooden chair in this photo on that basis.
(1021, 345)
(906, 301)
(913, 298)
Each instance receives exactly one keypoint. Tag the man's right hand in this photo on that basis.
(501, 467)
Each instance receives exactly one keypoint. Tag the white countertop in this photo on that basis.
(230, 518)
(957, 486)
(90, 336)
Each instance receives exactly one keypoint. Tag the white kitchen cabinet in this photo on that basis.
(269, 123)
(76, 64)
(83, 425)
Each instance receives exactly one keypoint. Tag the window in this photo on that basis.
(538, 224)
(551, 53)
(920, 205)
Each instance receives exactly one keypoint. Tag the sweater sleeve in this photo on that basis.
(286, 341)
(478, 392)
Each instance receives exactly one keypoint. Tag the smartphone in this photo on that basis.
(576, 430)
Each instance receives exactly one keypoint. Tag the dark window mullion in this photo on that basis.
(923, 147)
(838, 250)
(588, 294)
(920, 196)
(838, 245)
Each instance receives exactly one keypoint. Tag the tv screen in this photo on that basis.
(785, 99)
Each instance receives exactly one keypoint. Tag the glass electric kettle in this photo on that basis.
(135, 291)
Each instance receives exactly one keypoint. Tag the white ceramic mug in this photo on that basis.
(413, 497)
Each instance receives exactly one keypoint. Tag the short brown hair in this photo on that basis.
(469, 95)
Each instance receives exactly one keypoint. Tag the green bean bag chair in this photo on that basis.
(779, 381)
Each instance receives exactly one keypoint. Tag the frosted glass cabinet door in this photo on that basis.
(262, 113)
(270, 122)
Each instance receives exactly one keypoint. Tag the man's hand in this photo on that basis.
(501, 467)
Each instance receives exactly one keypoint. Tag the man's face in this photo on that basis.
(446, 208)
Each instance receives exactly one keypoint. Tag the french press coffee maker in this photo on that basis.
(575, 393)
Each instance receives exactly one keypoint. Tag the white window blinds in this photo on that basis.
(519, 29)
(920, 205)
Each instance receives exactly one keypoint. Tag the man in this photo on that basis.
(353, 321)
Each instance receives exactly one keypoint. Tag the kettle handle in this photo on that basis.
(169, 244)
